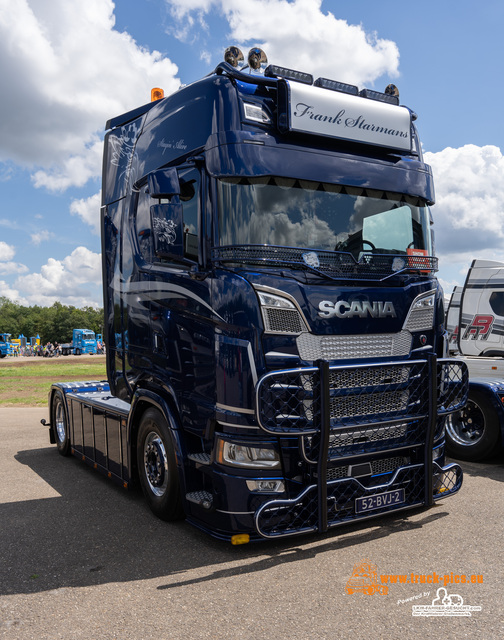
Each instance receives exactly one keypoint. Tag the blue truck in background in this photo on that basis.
(276, 348)
(5, 345)
(83, 341)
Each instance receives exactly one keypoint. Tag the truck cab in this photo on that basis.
(273, 323)
(5, 345)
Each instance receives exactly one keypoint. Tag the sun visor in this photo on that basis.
(231, 157)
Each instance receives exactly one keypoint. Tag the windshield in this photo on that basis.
(320, 216)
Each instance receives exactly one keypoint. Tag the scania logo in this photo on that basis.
(356, 308)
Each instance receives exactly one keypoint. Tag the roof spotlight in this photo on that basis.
(392, 90)
(256, 57)
(233, 56)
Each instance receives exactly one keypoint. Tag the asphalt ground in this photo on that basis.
(83, 558)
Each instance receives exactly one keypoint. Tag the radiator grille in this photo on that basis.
(386, 345)
(282, 320)
(361, 405)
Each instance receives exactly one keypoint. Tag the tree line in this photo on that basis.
(52, 324)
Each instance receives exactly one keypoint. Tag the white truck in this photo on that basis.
(475, 324)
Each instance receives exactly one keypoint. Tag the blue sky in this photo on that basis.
(67, 66)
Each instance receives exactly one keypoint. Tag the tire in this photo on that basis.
(474, 432)
(77, 352)
(157, 467)
(59, 420)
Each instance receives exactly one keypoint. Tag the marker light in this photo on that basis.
(290, 74)
(156, 94)
(233, 56)
(382, 97)
(256, 58)
(240, 538)
(256, 113)
(334, 85)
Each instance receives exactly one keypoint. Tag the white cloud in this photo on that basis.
(40, 236)
(8, 268)
(73, 171)
(88, 209)
(6, 291)
(469, 209)
(65, 70)
(69, 280)
(7, 251)
(299, 35)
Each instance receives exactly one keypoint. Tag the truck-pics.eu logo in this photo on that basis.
(364, 579)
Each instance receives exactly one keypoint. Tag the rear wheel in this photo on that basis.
(59, 421)
(474, 432)
(157, 467)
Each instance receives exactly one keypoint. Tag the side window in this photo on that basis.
(190, 198)
(497, 302)
(143, 225)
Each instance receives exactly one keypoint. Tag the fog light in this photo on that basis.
(257, 58)
(266, 486)
(233, 56)
(240, 538)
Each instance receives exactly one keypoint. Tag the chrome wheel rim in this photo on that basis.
(156, 464)
(466, 427)
(60, 423)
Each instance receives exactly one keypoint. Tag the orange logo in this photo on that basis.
(364, 579)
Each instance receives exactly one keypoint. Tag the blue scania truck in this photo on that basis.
(276, 351)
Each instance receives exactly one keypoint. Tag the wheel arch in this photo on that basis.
(493, 391)
(144, 399)
(52, 392)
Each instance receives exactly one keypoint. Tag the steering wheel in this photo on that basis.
(373, 248)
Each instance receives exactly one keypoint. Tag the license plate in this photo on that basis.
(380, 500)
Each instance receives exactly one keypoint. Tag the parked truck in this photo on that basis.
(83, 341)
(274, 328)
(476, 323)
(5, 345)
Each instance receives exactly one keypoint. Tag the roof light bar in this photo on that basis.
(272, 71)
(334, 85)
(377, 95)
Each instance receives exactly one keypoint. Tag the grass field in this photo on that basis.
(26, 382)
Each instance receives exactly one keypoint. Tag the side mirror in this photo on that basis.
(167, 230)
(164, 183)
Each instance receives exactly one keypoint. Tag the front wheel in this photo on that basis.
(473, 433)
(157, 467)
(59, 421)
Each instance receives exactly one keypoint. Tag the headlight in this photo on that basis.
(270, 300)
(280, 315)
(245, 456)
(421, 313)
